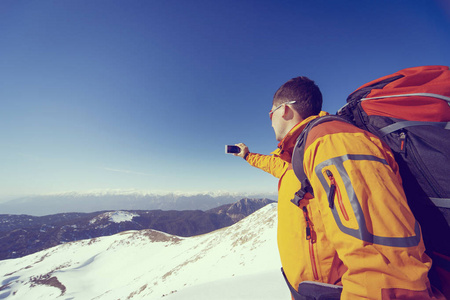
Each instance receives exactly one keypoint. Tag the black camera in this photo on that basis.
(232, 149)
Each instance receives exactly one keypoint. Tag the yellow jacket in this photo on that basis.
(369, 242)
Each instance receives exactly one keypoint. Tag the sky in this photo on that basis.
(143, 95)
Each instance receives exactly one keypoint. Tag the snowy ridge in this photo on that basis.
(141, 193)
(115, 217)
(149, 264)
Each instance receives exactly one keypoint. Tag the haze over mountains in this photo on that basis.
(237, 262)
(41, 205)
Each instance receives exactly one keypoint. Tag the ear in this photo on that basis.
(290, 114)
(287, 112)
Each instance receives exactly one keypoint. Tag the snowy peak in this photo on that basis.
(115, 217)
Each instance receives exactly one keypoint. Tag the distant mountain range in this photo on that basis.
(41, 205)
(237, 262)
(21, 235)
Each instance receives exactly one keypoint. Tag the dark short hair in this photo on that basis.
(305, 92)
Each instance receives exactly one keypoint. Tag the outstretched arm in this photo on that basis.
(271, 164)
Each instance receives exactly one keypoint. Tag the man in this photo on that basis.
(318, 244)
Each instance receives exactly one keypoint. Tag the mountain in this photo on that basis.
(241, 209)
(42, 205)
(237, 262)
(23, 234)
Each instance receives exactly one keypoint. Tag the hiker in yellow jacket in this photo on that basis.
(321, 244)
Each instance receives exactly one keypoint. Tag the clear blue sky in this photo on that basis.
(144, 95)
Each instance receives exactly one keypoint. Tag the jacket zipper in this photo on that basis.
(402, 138)
(309, 237)
(334, 191)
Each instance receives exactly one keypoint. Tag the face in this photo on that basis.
(276, 117)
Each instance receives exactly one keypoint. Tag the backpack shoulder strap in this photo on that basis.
(403, 124)
(298, 156)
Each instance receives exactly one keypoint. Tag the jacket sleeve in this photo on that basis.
(366, 217)
(268, 163)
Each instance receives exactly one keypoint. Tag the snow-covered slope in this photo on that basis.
(238, 262)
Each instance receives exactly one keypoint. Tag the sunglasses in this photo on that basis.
(273, 110)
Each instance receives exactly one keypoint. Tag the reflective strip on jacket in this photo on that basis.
(365, 237)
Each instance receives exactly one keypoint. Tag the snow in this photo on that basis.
(260, 286)
(122, 216)
(115, 217)
(238, 262)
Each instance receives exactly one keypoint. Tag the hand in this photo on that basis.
(244, 150)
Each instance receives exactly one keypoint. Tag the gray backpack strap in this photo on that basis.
(403, 124)
(298, 157)
(297, 165)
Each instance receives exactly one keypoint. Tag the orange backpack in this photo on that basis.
(410, 111)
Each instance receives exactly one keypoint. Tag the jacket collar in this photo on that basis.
(288, 142)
